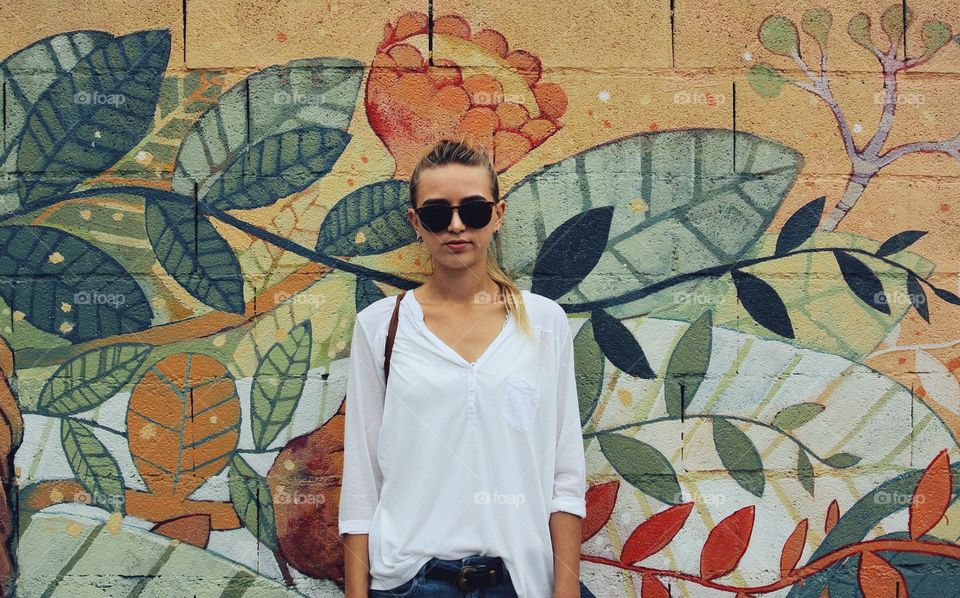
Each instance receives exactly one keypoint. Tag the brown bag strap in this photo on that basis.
(394, 319)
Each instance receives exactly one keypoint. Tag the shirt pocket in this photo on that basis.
(520, 403)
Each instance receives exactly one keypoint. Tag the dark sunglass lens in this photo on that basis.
(476, 214)
(435, 218)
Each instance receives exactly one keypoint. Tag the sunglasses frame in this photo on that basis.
(450, 210)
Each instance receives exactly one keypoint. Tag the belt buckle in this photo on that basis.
(463, 583)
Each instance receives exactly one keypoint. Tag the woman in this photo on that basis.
(466, 470)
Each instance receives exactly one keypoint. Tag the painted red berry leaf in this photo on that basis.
(601, 498)
(793, 548)
(932, 496)
(833, 515)
(726, 544)
(653, 534)
(878, 579)
(653, 588)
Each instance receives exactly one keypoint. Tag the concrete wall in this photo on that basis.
(196, 198)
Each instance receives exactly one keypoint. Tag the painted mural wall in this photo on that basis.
(749, 211)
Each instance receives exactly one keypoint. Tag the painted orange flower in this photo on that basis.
(476, 88)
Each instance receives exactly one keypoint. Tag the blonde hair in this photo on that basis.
(448, 151)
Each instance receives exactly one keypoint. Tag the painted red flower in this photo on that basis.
(476, 88)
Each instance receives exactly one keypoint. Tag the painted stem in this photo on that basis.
(745, 420)
(797, 575)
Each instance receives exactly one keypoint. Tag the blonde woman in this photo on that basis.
(463, 468)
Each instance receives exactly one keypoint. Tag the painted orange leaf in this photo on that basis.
(833, 515)
(932, 496)
(653, 588)
(726, 544)
(878, 579)
(793, 548)
(183, 422)
(601, 499)
(655, 533)
(192, 529)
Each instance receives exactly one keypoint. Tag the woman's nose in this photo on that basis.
(455, 223)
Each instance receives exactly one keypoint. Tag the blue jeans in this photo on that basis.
(421, 587)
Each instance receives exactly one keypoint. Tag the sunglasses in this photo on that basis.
(474, 214)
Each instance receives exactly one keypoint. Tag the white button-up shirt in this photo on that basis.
(456, 458)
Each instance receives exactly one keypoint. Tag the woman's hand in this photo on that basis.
(566, 531)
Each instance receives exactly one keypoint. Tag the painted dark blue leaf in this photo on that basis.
(366, 293)
(800, 226)
(862, 281)
(92, 116)
(571, 251)
(918, 298)
(899, 242)
(193, 252)
(68, 287)
(619, 345)
(947, 296)
(762, 303)
(276, 167)
(368, 221)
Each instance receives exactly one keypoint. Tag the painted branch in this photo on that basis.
(797, 575)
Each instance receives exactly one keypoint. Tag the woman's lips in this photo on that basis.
(457, 246)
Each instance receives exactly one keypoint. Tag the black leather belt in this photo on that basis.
(471, 577)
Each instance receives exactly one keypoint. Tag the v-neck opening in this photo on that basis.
(421, 322)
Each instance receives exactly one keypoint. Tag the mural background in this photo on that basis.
(197, 197)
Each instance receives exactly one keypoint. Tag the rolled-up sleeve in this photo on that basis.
(569, 482)
(362, 479)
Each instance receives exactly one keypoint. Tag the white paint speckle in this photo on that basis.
(857, 128)
(604, 96)
(747, 56)
(141, 156)
(97, 134)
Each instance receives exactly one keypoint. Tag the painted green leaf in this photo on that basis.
(277, 166)
(278, 384)
(859, 30)
(93, 465)
(368, 221)
(92, 115)
(642, 466)
(91, 378)
(589, 364)
(841, 460)
(315, 92)
(805, 471)
(570, 252)
(25, 75)
(739, 456)
(779, 35)
(68, 287)
(795, 416)
(688, 365)
(161, 567)
(192, 251)
(252, 501)
(816, 23)
(619, 345)
(766, 80)
(682, 201)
